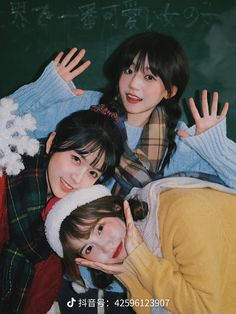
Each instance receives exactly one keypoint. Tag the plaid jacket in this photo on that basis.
(26, 198)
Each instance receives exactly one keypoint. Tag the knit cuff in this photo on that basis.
(140, 261)
(48, 88)
(209, 142)
(52, 87)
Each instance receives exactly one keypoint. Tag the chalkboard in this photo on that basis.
(33, 31)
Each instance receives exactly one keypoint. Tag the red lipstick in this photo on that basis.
(133, 100)
(118, 250)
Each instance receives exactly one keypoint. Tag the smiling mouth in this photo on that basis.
(133, 99)
(118, 250)
(66, 187)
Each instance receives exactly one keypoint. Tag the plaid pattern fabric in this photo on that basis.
(26, 198)
(140, 167)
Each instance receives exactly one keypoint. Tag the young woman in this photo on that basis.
(83, 147)
(147, 75)
(179, 255)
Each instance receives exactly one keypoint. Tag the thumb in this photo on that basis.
(182, 133)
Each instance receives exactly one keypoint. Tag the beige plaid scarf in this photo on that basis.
(140, 167)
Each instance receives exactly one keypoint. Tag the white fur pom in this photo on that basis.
(14, 140)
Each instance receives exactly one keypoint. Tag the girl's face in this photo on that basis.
(140, 92)
(105, 243)
(68, 171)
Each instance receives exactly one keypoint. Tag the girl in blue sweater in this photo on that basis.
(146, 75)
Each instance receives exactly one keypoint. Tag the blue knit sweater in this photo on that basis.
(50, 99)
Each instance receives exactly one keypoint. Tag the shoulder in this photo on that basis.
(190, 206)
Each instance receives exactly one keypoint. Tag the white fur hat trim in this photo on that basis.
(64, 207)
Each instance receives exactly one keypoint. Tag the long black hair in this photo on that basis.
(86, 131)
(166, 59)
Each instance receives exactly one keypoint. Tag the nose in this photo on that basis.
(106, 245)
(134, 82)
(79, 176)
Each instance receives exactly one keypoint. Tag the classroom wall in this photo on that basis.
(33, 31)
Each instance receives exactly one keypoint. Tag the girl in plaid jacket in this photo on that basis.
(84, 146)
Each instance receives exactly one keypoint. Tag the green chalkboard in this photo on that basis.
(32, 31)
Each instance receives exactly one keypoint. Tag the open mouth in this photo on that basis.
(133, 99)
(118, 250)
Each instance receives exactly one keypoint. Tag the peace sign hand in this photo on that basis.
(133, 236)
(68, 67)
(208, 119)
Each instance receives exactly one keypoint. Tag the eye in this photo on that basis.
(76, 158)
(128, 71)
(149, 77)
(100, 228)
(87, 250)
(94, 174)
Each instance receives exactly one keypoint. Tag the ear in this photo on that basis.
(50, 141)
(174, 90)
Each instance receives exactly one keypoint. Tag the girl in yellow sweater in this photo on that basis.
(180, 258)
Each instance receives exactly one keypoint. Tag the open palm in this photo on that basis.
(68, 67)
(209, 117)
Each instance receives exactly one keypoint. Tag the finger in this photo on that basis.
(214, 106)
(58, 57)
(194, 110)
(110, 269)
(205, 108)
(224, 111)
(85, 262)
(68, 56)
(182, 133)
(128, 215)
(71, 65)
(80, 69)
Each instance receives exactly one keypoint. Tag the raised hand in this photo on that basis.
(209, 118)
(68, 68)
(133, 237)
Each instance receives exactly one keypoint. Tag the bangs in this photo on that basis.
(82, 228)
(154, 62)
(95, 147)
(102, 152)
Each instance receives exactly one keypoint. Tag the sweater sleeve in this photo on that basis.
(214, 147)
(50, 99)
(210, 152)
(200, 253)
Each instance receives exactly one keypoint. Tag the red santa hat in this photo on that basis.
(61, 209)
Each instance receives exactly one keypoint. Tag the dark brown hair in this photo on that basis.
(166, 59)
(87, 131)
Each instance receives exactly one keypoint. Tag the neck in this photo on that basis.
(138, 119)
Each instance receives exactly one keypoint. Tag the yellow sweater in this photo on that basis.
(197, 273)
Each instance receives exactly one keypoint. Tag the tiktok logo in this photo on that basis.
(71, 302)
